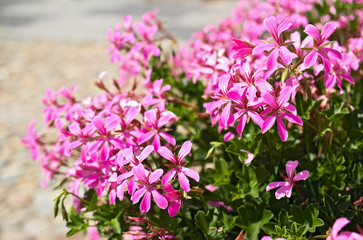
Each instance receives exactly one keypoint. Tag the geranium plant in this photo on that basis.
(188, 141)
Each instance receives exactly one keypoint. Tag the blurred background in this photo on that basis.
(48, 44)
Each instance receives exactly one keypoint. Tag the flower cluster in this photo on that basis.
(251, 90)
(110, 138)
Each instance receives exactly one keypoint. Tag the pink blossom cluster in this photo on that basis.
(209, 54)
(118, 144)
(262, 78)
(133, 43)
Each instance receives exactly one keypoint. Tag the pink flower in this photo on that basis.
(148, 189)
(242, 48)
(276, 48)
(278, 108)
(136, 160)
(337, 226)
(178, 167)
(319, 47)
(153, 123)
(93, 234)
(174, 197)
(220, 204)
(285, 188)
(31, 140)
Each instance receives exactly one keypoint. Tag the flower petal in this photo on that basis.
(184, 182)
(168, 138)
(168, 177)
(241, 124)
(191, 173)
(154, 176)
(286, 55)
(271, 25)
(256, 118)
(301, 175)
(225, 115)
(156, 142)
(145, 153)
(174, 208)
(311, 59)
(135, 198)
(338, 225)
(167, 154)
(328, 30)
(146, 202)
(145, 137)
(150, 116)
(184, 150)
(273, 185)
(263, 47)
(292, 118)
(267, 125)
(139, 172)
(283, 26)
(284, 191)
(312, 31)
(290, 168)
(272, 59)
(159, 199)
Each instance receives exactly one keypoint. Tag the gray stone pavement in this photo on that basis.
(77, 20)
(47, 44)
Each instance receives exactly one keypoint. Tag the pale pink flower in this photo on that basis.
(32, 140)
(319, 49)
(285, 188)
(275, 48)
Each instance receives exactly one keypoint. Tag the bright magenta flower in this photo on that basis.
(148, 189)
(178, 167)
(153, 124)
(278, 108)
(285, 188)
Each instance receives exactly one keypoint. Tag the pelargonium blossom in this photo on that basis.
(178, 167)
(277, 47)
(152, 129)
(319, 49)
(285, 187)
(148, 189)
(278, 108)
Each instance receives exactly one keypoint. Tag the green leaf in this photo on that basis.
(202, 220)
(56, 204)
(252, 219)
(330, 207)
(73, 231)
(335, 112)
(284, 218)
(115, 225)
(221, 174)
(63, 209)
(298, 215)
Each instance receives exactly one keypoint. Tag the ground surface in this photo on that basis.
(48, 44)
